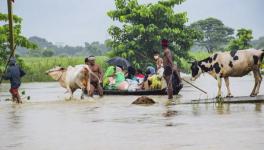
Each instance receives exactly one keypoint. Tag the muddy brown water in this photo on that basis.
(48, 122)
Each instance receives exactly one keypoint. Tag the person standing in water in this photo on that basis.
(96, 69)
(169, 68)
(168, 64)
(14, 74)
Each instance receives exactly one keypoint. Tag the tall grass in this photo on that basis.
(37, 66)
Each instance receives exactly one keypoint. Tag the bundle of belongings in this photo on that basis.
(153, 80)
(115, 78)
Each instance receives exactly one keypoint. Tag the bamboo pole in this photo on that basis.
(11, 35)
(11, 30)
(194, 86)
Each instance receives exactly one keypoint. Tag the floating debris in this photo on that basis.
(8, 99)
(144, 100)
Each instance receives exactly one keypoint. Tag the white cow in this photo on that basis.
(72, 78)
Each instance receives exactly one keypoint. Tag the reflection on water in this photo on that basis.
(47, 121)
(258, 107)
(222, 108)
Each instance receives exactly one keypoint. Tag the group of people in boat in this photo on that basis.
(164, 75)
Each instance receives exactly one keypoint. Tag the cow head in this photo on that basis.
(56, 72)
(196, 70)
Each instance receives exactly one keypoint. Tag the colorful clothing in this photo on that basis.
(109, 72)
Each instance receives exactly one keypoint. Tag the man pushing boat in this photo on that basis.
(170, 70)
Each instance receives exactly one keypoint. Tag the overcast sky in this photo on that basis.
(74, 22)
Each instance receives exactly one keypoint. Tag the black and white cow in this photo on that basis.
(231, 64)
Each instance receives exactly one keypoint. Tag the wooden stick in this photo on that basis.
(194, 86)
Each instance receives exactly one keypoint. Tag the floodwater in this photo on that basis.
(48, 122)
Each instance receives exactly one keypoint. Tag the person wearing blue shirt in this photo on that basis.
(14, 74)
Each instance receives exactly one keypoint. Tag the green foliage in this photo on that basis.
(215, 33)
(4, 37)
(198, 55)
(144, 26)
(37, 66)
(244, 36)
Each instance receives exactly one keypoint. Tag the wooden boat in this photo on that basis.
(141, 92)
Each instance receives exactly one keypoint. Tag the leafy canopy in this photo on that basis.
(215, 33)
(4, 37)
(143, 26)
(244, 36)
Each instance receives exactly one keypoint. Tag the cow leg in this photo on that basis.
(88, 87)
(219, 81)
(82, 95)
(80, 84)
(259, 79)
(70, 91)
(256, 83)
(228, 88)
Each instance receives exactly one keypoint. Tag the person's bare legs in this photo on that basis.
(169, 86)
(100, 89)
(18, 98)
(91, 92)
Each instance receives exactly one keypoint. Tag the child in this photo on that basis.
(14, 73)
(159, 64)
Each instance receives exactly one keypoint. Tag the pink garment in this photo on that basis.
(123, 86)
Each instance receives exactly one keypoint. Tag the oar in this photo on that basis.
(194, 86)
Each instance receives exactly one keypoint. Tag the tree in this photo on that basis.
(94, 48)
(144, 26)
(215, 33)
(244, 36)
(47, 53)
(4, 36)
